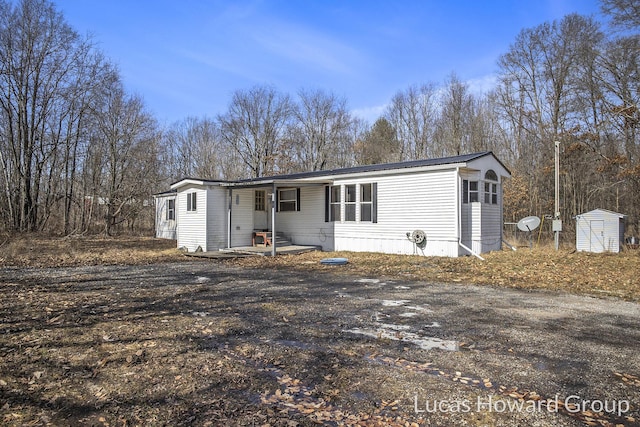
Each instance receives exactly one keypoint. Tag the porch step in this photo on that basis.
(282, 239)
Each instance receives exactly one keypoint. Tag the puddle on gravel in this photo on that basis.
(424, 342)
(408, 314)
(368, 281)
(394, 303)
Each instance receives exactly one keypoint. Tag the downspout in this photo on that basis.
(229, 218)
(273, 220)
(459, 204)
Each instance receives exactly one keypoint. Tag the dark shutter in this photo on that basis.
(327, 201)
(277, 199)
(374, 202)
(465, 191)
(298, 199)
(194, 201)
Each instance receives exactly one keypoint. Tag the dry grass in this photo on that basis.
(44, 251)
(614, 275)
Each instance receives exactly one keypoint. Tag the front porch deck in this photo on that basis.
(240, 251)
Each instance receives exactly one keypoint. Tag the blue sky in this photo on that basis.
(187, 57)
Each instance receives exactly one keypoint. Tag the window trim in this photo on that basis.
(366, 203)
(331, 217)
(171, 210)
(350, 206)
(295, 200)
(192, 199)
(335, 207)
(468, 192)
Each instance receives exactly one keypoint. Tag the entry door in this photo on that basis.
(597, 236)
(260, 210)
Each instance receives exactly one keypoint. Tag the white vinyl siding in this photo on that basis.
(165, 225)
(307, 226)
(192, 225)
(599, 231)
(405, 202)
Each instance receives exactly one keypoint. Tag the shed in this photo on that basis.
(600, 230)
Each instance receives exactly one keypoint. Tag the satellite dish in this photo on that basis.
(529, 223)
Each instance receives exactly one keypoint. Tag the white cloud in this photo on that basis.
(482, 85)
(370, 114)
(306, 46)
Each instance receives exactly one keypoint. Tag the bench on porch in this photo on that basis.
(265, 235)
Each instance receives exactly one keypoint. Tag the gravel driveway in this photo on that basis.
(206, 343)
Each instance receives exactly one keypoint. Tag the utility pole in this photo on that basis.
(557, 222)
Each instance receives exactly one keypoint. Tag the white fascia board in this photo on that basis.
(190, 181)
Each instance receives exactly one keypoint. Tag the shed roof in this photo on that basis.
(603, 211)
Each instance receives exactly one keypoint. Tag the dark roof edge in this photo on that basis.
(379, 167)
(358, 169)
(165, 193)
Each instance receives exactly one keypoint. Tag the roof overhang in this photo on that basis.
(193, 181)
(302, 182)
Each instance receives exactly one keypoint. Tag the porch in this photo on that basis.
(244, 251)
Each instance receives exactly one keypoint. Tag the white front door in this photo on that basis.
(260, 210)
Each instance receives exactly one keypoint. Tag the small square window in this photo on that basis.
(288, 200)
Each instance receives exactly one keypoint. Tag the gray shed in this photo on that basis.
(600, 230)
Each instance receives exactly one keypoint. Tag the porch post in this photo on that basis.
(229, 218)
(273, 220)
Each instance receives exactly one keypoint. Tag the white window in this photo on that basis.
(491, 188)
(491, 193)
(470, 191)
(191, 202)
(350, 202)
(171, 209)
(288, 200)
(366, 202)
(334, 203)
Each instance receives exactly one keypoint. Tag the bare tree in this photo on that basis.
(197, 149)
(625, 14)
(413, 114)
(454, 123)
(254, 126)
(128, 135)
(40, 69)
(321, 127)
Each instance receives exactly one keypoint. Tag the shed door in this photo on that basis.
(597, 235)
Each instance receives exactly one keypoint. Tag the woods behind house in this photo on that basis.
(79, 153)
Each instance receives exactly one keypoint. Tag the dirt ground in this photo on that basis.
(205, 342)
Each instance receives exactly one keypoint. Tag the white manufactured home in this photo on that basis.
(438, 207)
